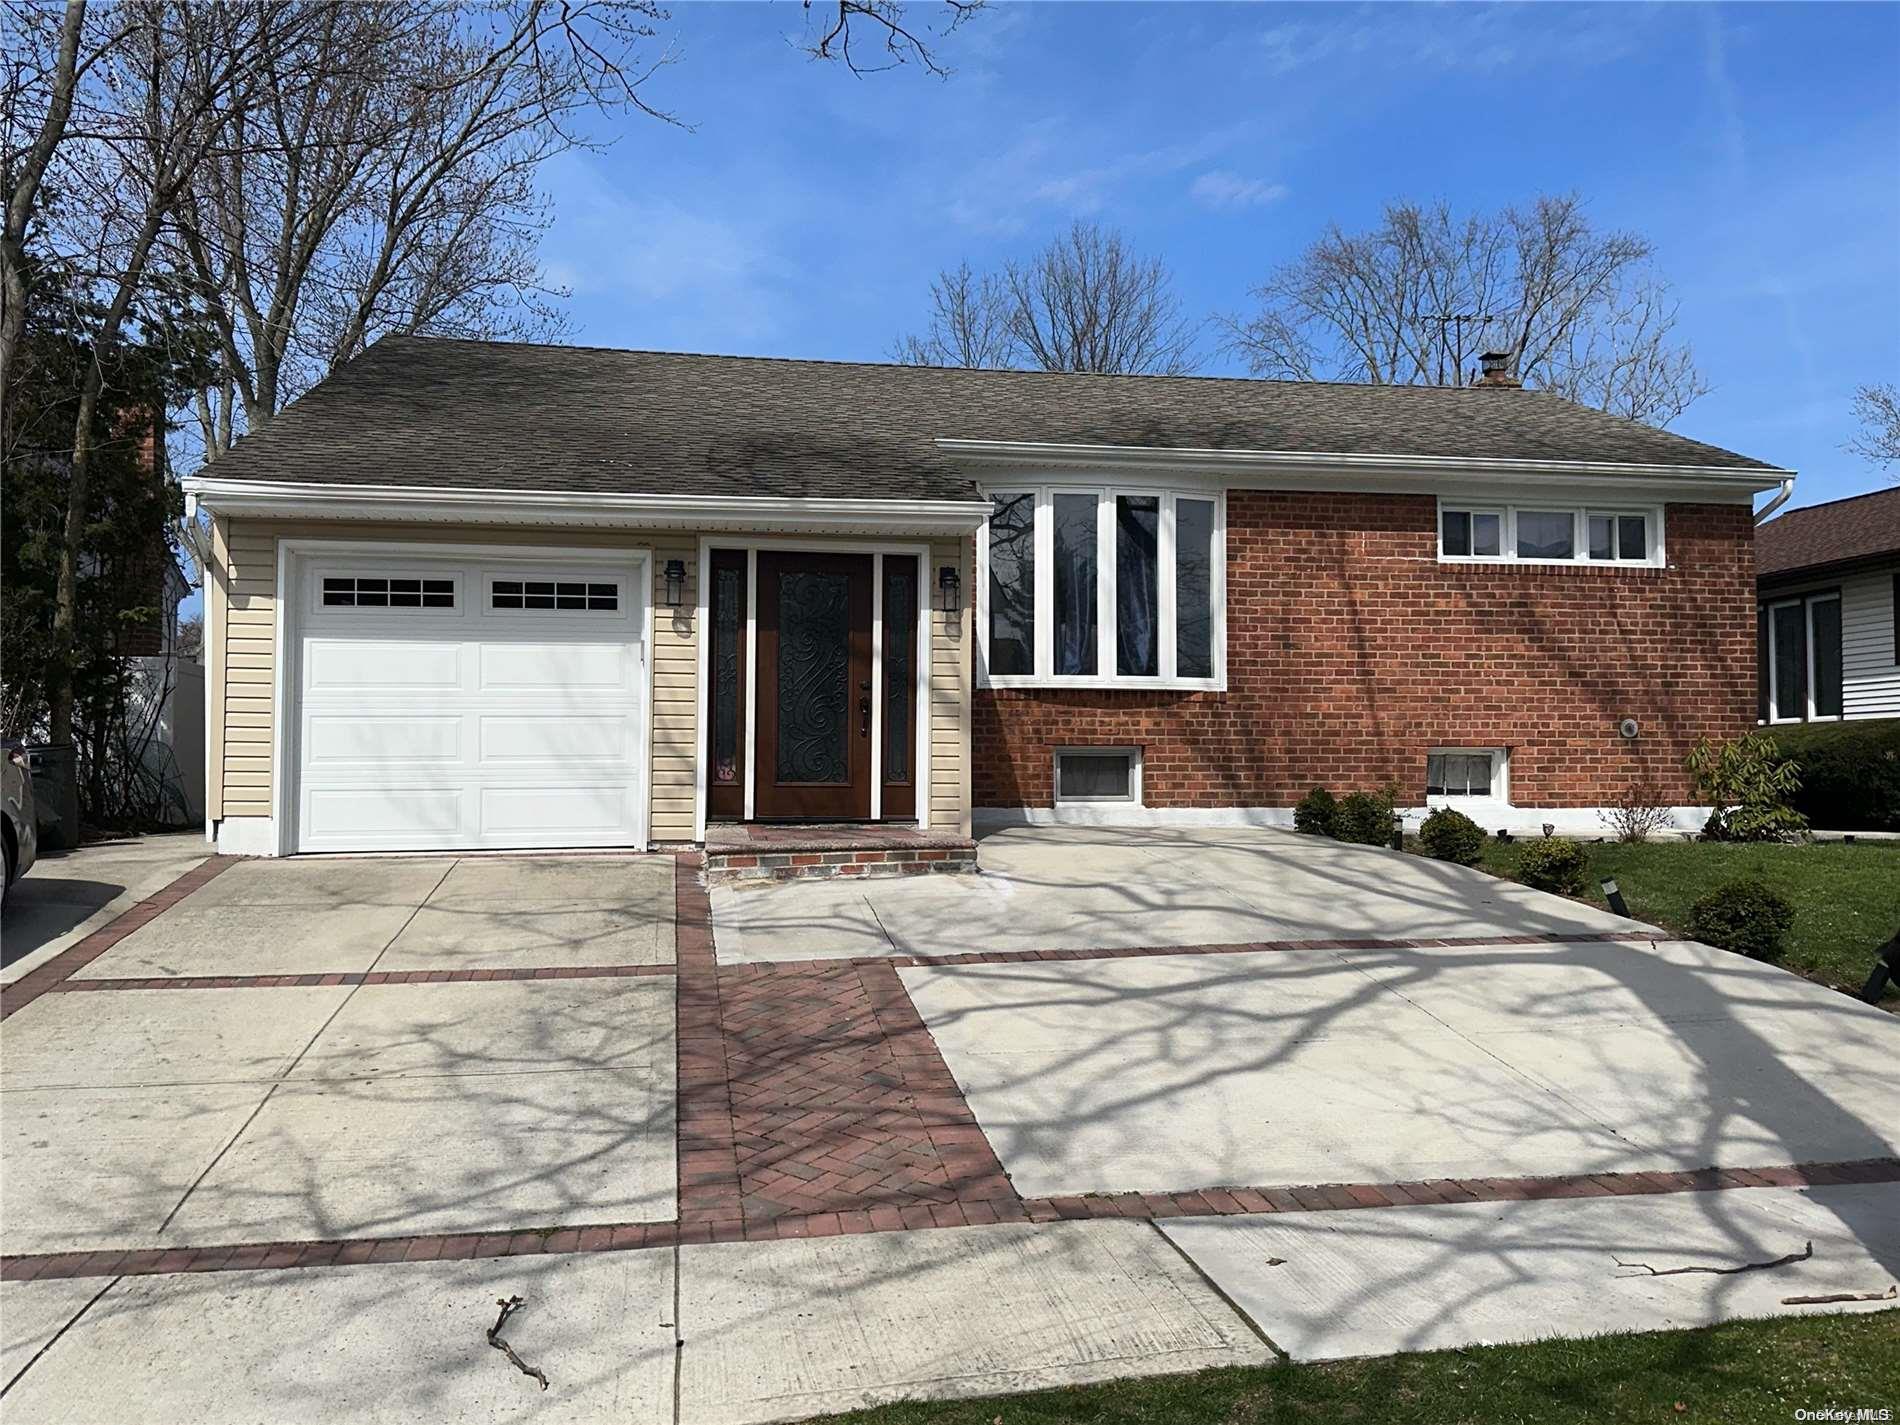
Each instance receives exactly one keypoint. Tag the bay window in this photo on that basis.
(1094, 586)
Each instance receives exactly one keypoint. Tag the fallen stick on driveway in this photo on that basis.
(1788, 1260)
(509, 1306)
(1890, 1294)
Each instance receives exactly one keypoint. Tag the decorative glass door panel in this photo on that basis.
(900, 687)
(814, 677)
(814, 670)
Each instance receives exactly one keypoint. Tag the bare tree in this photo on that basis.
(969, 325)
(383, 180)
(165, 94)
(39, 80)
(1085, 302)
(1877, 408)
(832, 24)
(1576, 310)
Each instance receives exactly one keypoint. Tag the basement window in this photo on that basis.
(360, 592)
(1098, 775)
(1465, 773)
(558, 595)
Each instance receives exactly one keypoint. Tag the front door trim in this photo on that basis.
(877, 549)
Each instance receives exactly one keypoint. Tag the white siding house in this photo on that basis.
(1828, 579)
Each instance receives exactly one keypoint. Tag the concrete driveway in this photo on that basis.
(1161, 1071)
(67, 894)
(1095, 888)
(376, 1100)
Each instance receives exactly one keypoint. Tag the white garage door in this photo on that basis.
(490, 703)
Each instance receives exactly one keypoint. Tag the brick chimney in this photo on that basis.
(1494, 369)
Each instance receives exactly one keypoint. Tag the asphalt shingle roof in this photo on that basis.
(1839, 532)
(426, 412)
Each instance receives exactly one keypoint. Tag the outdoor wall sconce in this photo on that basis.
(675, 582)
(949, 589)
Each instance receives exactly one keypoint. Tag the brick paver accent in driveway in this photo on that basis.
(814, 1094)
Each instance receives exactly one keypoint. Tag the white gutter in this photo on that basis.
(469, 506)
(1787, 489)
(1282, 467)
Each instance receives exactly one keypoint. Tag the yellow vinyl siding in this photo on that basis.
(243, 660)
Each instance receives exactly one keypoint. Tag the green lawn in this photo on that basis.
(1746, 1371)
(1846, 898)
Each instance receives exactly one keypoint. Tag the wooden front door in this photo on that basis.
(814, 687)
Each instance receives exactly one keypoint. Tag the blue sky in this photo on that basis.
(805, 211)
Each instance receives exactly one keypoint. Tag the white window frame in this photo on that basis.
(1133, 754)
(1500, 793)
(1045, 489)
(1809, 713)
(1579, 532)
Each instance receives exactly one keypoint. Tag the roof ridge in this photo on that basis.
(1485, 393)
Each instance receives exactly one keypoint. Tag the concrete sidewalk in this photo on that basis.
(751, 1332)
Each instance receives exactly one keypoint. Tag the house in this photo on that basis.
(1827, 581)
(469, 594)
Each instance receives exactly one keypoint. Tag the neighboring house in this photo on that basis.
(1828, 580)
(467, 594)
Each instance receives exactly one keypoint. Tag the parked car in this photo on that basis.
(17, 826)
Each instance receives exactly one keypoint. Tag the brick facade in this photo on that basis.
(1351, 649)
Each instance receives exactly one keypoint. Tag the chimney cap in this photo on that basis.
(1494, 369)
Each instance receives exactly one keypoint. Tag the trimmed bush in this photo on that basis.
(1746, 916)
(1317, 813)
(1366, 818)
(1750, 784)
(1549, 864)
(1450, 835)
(1850, 773)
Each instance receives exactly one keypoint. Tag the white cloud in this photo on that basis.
(1222, 189)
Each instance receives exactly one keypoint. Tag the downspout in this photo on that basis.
(1780, 499)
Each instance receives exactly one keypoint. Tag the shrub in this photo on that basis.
(1750, 782)
(1850, 773)
(1317, 813)
(1639, 812)
(1366, 817)
(1548, 864)
(1747, 916)
(1449, 835)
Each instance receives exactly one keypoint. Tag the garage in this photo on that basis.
(443, 702)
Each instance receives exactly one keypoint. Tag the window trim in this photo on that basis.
(1133, 754)
(1805, 601)
(1043, 490)
(1500, 793)
(1579, 512)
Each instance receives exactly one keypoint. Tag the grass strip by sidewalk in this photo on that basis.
(1846, 898)
(1741, 1373)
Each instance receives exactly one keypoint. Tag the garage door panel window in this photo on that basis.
(347, 591)
(554, 595)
